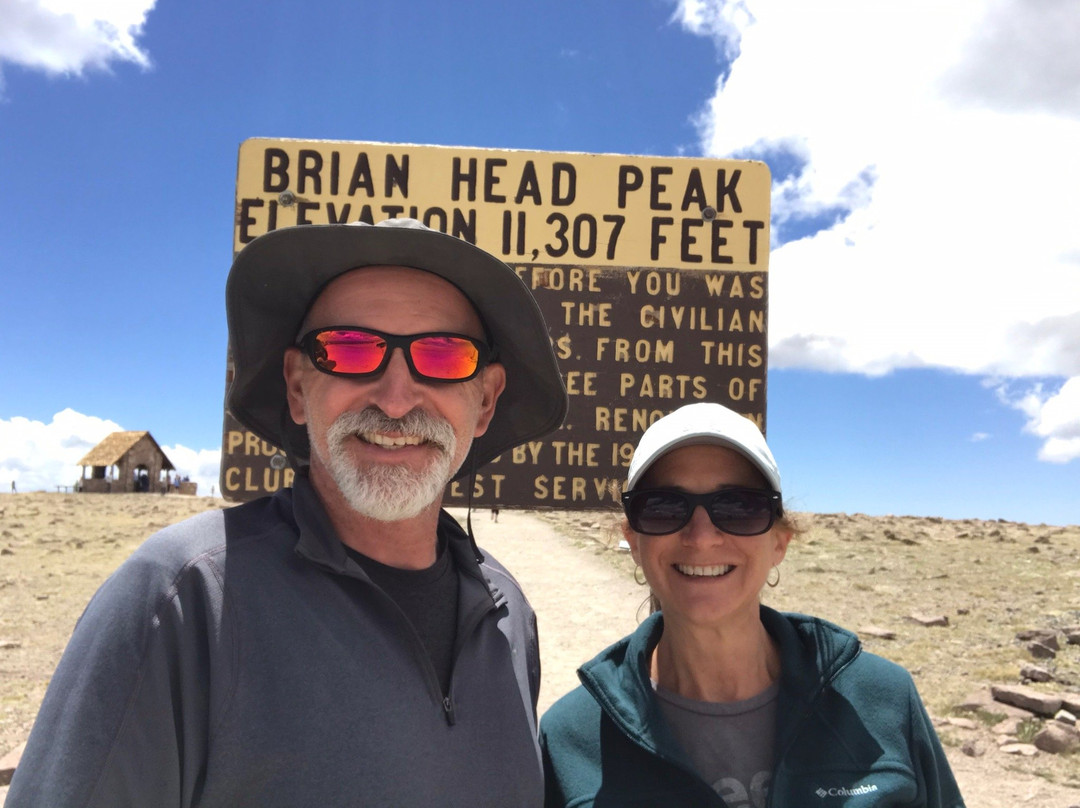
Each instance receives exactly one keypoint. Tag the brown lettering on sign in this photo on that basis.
(651, 273)
(237, 479)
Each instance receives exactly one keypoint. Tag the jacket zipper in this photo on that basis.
(475, 618)
(418, 646)
(814, 697)
(425, 659)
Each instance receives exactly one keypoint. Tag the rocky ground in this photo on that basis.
(950, 600)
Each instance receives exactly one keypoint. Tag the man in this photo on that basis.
(343, 642)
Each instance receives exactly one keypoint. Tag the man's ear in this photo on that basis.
(493, 382)
(292, 368)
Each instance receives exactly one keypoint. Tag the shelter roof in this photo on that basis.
(118, 444)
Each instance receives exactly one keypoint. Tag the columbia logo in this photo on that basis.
(846, 792)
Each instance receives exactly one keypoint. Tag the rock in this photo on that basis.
(1071, 702)
(1057, 738)
(9, 762)
(962, 723)
(1065, 717)
(6, 645)
(879, 633)
(1072, 635)
(929, 620)
(1033, 673)
(1046, 636)
(972, 748)
(1041, 650)
(1026, 698)
(982, 699)
(979, 700)
(1010, 726)
(1022, 749)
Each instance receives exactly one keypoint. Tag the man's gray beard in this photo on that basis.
(389, 492)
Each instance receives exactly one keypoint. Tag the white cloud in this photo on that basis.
(70, 36)
(1022, 56)
(722, 22)
(202, 466)
(38, 457)
(949, 195)
(1053, 415)
(979, 437)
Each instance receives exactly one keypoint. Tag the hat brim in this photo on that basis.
(275, 279)
(705, 423)
(769, 474)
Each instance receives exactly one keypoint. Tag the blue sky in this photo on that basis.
(925, 268)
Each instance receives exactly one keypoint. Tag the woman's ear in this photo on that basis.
(782, 537)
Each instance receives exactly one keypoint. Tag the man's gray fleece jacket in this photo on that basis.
(240, 658)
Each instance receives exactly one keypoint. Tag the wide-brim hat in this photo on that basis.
(703, 423)
(275, 279)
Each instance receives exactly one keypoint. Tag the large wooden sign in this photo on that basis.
(652, 274)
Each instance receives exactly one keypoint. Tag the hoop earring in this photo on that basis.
(774, 584)
(639, 575)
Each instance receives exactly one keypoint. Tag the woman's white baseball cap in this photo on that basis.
(703, 423)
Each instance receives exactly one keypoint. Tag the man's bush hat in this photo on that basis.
(275, 279)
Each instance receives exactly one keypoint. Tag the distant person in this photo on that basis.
(13, 487)
(343, 642)
(494, 514)
(716, 699)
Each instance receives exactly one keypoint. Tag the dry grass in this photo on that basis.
(990, 579)
(55, 550)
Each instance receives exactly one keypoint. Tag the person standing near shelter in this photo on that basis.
(716, 700)
(343, 642)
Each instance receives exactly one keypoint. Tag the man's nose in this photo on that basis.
(395, 391)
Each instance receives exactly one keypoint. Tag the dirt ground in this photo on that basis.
(989, 579)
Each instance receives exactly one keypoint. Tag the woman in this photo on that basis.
(716, 700)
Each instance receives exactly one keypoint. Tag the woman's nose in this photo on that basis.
(701, 528)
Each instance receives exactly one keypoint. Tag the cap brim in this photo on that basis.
(708, 439)
(703, 423)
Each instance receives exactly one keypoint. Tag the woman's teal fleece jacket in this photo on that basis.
(851, 730)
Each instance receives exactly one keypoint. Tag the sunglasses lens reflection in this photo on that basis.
(349, 351)
(444, 357)
(659, 512)
(357, 352)
(740, 512)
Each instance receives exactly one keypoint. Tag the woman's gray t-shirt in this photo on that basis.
(729, 743)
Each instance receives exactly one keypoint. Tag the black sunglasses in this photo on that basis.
(343, 350)
(738, 511)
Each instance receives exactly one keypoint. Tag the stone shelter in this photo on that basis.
(127, 462)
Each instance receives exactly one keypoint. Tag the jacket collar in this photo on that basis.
(618, 678)
(812, 653)
(319, 543)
